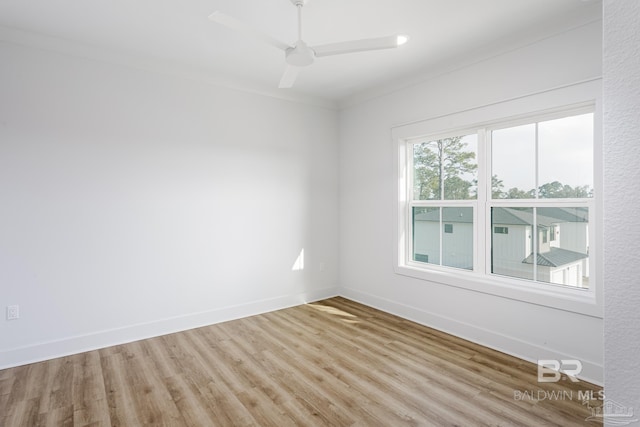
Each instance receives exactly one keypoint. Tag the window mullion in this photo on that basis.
(482, 244)
(536, 160)
(534, 252)
(441, 236)
(534, 226)
(408, 210)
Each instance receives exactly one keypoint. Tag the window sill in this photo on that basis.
(582, 301)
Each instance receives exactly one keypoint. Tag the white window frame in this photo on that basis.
(559, 102)
(442, 203)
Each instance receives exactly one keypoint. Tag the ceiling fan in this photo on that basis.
(299, 54)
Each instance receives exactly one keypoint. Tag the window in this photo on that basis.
(519, 195)
(549, 163)
(531, 168)
(444, 190)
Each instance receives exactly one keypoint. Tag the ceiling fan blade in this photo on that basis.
(289, 76)
(234, 24)
(388, 42)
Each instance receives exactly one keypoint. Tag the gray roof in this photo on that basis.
(449, 214)
(577, 214)
(547, 216)
(511, 216)
(556, 257)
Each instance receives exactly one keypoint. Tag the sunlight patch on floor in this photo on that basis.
(346, 317)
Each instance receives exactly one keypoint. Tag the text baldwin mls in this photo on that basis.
(540, 395)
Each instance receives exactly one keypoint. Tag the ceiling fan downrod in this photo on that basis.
(300, 55)
(299, 6)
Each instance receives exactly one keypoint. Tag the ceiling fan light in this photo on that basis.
(402, 39)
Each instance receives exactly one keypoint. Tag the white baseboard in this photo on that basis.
(591, 371)
(78, 344)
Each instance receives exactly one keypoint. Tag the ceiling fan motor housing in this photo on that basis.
(301, 55)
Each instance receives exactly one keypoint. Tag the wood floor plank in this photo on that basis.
(61, 386)
(330, 363)
(88, 395)
(153, 402)
(59, 416)
(22, 414)
(118, 393)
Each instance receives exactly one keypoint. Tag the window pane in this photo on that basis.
(443, 236)
(446, 169)
(513, 162)
(561, 244)
(563, 258)
(426, 235)
(509, 250)
(460, 167)
(457, 244)
(565, 149)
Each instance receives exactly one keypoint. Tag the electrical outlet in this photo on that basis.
(13, 312)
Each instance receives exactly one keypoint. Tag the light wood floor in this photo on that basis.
(330, 363)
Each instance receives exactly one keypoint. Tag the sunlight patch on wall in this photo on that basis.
(299, 264)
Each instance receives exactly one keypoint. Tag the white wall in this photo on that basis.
(134, 203)
(367, 203)
(621, 75)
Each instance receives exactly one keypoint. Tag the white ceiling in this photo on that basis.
(178, 32)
